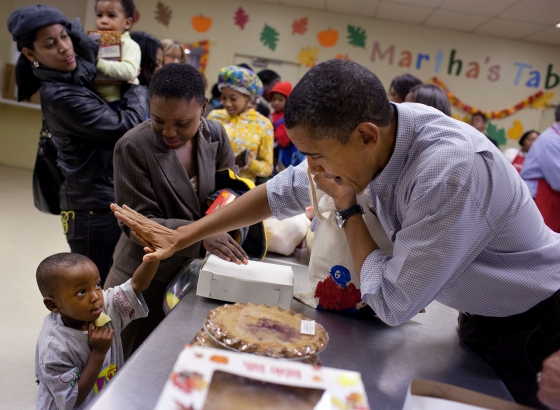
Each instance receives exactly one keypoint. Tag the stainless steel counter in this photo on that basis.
(388, 358)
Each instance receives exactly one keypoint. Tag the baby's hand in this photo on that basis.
(100, 338)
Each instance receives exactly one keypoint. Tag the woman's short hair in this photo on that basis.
(334, 97)
(432, 95)
(171, 46)
(177, 80)
(525, 135)
(402, 85)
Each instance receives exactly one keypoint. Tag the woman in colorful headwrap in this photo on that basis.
(246, 128)
(58, 60)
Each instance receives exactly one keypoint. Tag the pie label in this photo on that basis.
(307, 327)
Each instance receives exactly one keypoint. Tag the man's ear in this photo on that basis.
(50, 304)
(368, 133)
(30, 54)
(204, 107)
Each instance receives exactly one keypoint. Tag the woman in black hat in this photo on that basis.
(59, 60)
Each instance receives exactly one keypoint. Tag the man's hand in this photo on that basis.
(223, 246)
(342, 194)
(100, 338)
(159, 241)
(549, 386)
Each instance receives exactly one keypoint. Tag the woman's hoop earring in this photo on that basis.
(36, 64)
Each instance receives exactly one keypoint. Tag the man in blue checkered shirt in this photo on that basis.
(464, 227)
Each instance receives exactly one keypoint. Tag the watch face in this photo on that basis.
(338, 218)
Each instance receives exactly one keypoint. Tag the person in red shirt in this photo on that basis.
(285, 153)
(517, 156)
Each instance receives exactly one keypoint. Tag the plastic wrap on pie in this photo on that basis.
(265, 331)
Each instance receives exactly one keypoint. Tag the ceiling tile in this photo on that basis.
(549, 36)
(425, 3)
(482, 7)
(357, 7)
(402, 12)
(310, 4)
(455, 20)
(534, 11)
(509, 28)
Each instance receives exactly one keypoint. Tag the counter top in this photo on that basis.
(426, 347)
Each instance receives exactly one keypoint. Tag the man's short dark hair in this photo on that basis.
(481, 115)
(48, 271)
(334, 97)
(176, 80)
(268, 76)
(127, 5)
(557, 113)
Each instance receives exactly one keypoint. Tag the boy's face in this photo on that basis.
(111, 17)
(234, 102)
(478, 122)
(80, 298)
(278, 101)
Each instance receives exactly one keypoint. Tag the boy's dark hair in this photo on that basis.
(49, 269)
(127, 5)
(268, 76)
(334, 97)
(177, 80)
(247, 66)
(557, 113)
(433, 96)
(481, 115)
(403, 84)
(149, 46)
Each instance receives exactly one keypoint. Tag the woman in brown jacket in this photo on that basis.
(165, 169)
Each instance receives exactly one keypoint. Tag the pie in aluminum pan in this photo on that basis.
(265, 331)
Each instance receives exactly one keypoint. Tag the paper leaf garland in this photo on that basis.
(515, 131)
(498, 135)
(357, 36)
(163, 14)
(201, 23)
(299, 26)
(543, 102)
(269, 37)
(308, 56)
(342, 57)
(240, 18)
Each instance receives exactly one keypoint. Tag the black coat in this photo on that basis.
(85, 130)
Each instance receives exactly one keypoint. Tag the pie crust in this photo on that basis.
(263, 330)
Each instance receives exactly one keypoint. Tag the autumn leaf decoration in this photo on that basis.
(308, 56)
(163, 14)
(299, 26)
(357, 36)
(240, 18)
(269, 37)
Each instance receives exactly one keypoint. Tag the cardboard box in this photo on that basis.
(426, 394)
(257, 282)
(206, 378)
(9, 82)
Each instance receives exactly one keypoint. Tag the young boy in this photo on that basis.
(285, 153)
(117, 15)
(79, 348)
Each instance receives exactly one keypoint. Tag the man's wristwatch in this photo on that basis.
(341, 216)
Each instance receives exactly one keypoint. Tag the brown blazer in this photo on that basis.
(150, 179)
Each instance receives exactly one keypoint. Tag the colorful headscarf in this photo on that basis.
(240, 79)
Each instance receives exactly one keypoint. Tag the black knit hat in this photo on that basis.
(27, 20)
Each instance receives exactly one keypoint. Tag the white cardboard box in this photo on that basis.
(257, 282)
(195, 383)
(429, 395)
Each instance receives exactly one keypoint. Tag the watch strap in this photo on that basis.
(352, 210)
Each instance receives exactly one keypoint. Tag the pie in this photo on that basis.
(263, 330)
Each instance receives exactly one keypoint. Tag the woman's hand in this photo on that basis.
(248, 164)
(223, 246)
(343, 195)
(159, 241)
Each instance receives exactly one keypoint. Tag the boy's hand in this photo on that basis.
(100, 338)
(223, 246)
